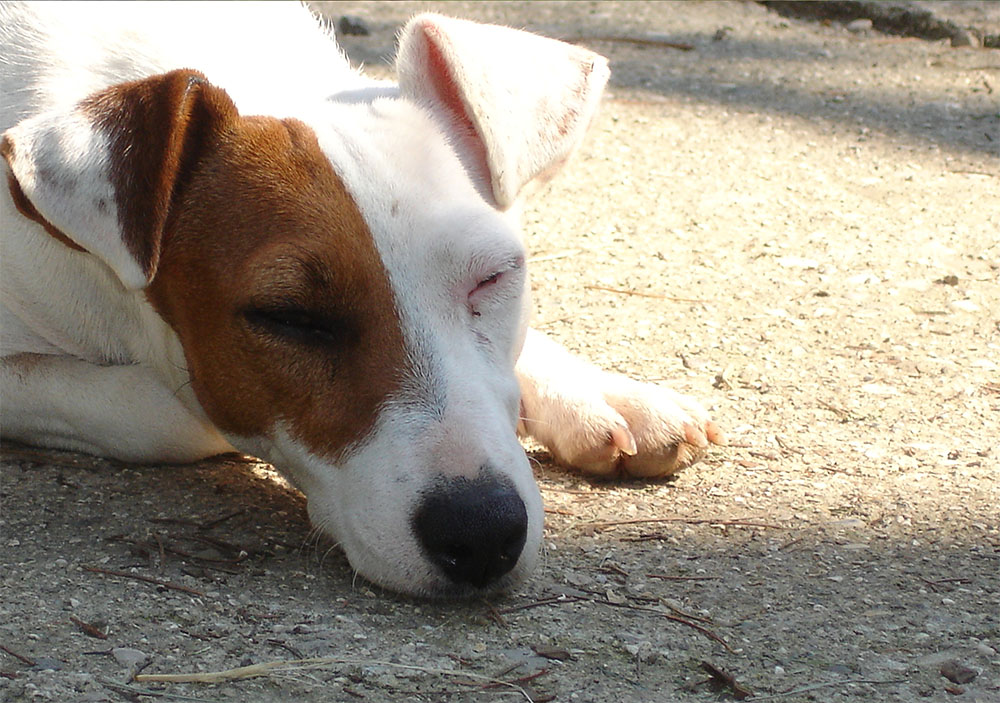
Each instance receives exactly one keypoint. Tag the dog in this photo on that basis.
(220, 236)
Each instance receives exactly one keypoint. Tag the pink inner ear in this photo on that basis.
(472, 149)
(441, 76)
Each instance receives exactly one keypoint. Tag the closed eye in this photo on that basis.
(495, 288)
(302, 325)
(487, 282)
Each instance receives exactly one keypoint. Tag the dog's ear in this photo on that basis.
(100, 175)
(518, 103)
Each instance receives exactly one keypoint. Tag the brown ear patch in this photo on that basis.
(156, 128)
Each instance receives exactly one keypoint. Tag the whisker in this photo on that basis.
(311, 540)
(332, 548)
(177, 390)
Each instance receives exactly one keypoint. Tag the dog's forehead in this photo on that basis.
(408, 181)
(435, 233)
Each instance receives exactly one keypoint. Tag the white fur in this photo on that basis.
(89, 365)
(120, 411)
(68, 143)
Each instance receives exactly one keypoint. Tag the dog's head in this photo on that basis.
(348, 285)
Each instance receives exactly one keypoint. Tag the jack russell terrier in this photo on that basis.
(217, 235)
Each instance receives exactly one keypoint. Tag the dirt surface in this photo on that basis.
(794, 222)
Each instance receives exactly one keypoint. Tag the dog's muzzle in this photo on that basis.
(473, 529)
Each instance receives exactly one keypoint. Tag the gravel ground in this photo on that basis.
(797, 223)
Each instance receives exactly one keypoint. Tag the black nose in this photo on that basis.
(473, 529)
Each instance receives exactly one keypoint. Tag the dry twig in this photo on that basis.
(638, 39)
(674, 618)
(557, 600)
(203, 525)
(20, 657)
(937, 585)
(689, 521)
(842, 413)
(88, 629)
(603, 600)
(623, 291)
(551, 257)
(682, 578)
(133, 693)
(495, 615)
(974, 173)
(827, 684)
(145, 579)
(207, 562)
(285, 646)
(268, 668)
(723, 679)
(572, 491)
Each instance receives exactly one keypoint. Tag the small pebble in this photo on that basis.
(354, 26)
(957, 672)
(128, 657)
(964, 305)
(936, 659)
(985, 649)
(47, 664)
(964, 38)
(858, 26)
(387, 680)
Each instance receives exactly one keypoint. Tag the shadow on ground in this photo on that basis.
(833, 82)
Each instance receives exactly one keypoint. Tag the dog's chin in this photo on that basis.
(423, 580)
(451, 592)
(441, 589)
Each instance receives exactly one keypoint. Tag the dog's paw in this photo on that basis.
(613, 425)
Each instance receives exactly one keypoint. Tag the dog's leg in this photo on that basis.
(604, 423)
(116, 411)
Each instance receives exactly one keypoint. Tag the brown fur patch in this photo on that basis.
(263, 224)
(156, 128)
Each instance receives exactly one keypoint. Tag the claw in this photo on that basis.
(714, 434)
(623, 439)
(694, 436)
